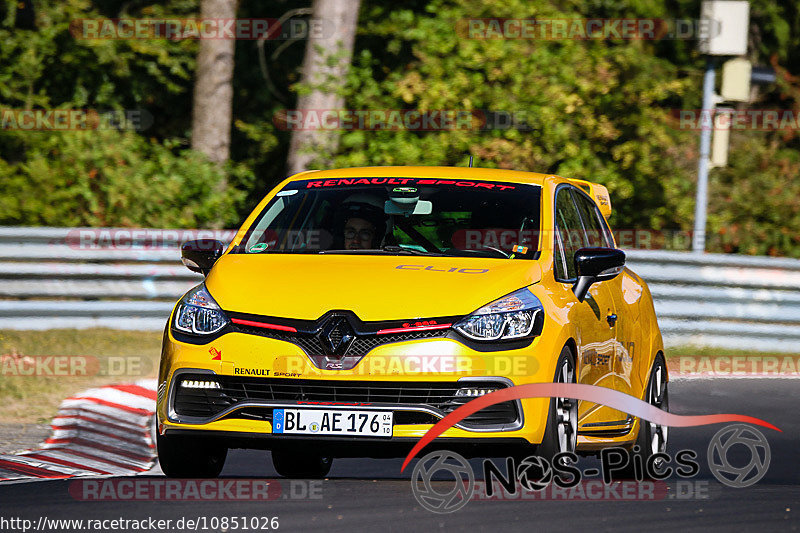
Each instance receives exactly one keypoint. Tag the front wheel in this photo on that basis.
(561, 434)
(300, 463)
(190, 457)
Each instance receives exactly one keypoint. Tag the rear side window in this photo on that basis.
(570, 233)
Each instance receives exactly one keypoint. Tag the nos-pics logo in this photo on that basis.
(443, 481)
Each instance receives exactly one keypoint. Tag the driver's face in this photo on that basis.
(358, 234)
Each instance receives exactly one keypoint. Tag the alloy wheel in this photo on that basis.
(567, 411)
(658, 397)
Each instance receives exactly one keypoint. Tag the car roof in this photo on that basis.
(466, 173)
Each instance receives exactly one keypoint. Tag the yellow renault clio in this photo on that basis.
(357, 307)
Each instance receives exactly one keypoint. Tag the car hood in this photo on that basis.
(373, 287)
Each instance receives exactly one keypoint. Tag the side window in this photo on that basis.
(570, 232)
(595, 231)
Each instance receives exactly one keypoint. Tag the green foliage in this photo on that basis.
(597, 110)
(107, 177)
(50, 66)
(112, 178)
(755, 208)
(591, 110)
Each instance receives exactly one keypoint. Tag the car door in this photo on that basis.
(623, 292)
(595, 339)
(621, 321)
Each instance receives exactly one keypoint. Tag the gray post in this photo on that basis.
(701, 203)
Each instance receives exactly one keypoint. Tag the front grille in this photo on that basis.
(440, 396)
(360, 346)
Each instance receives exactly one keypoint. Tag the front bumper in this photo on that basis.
(271, 366)
(413, 403)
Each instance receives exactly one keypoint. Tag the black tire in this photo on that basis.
(190, 457)
(301, 463)
(652, 438)
(561, 435)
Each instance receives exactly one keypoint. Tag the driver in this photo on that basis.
(363, 222)
(359, 234)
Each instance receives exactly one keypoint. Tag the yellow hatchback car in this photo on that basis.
(357, 307)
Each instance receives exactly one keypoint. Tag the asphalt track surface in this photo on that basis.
(372, 495)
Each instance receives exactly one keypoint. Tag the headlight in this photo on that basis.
(510, 317)
(199, 314)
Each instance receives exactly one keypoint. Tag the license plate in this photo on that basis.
(332, 422)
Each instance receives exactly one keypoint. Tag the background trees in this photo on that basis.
(213, 87)
(325, 68)
(599, 110)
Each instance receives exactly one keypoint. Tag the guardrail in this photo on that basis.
(56, 278)
(728, 301)
(50, 278)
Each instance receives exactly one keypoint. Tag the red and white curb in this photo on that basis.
(102, 431)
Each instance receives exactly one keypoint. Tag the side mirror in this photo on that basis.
(596, 264)
(200, 255)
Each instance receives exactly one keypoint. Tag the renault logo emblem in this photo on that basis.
(336, 336)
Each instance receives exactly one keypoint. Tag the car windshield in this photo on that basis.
(391, 216)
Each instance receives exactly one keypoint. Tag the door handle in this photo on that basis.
(612, 320)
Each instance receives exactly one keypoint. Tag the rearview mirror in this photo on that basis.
(420, 207)
(200, 255)
(405, 201)
(596, 264)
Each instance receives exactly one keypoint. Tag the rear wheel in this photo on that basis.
(190, 457)
(561, 434)
(301, 463)
(652, 438)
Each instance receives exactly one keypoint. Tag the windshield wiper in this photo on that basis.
(479, 252)
(386, 250)
(410, 251)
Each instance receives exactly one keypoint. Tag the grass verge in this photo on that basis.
(32, 385)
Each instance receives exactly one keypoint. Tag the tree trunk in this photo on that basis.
(213, 87)
(25, 17)
(337, 20)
